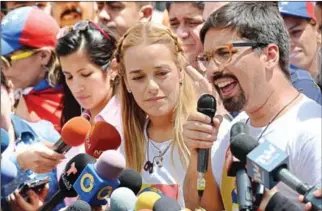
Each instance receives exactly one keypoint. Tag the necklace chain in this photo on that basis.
(278, 113)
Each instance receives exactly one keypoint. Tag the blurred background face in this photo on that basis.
(118, 16)
(88, 83)
(186, 21)
(304, 41)
(25, 72)
(153, 78)
(69, 13)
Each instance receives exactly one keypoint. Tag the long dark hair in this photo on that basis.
(100, 51)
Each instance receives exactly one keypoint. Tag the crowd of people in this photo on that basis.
(142, 69)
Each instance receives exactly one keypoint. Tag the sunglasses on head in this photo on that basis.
(82, 26)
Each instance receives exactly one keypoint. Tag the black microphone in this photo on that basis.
(267, 164)
(71, 173)
(237, 169)
(131, 179)
(206, 105)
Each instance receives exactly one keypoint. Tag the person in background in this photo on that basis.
(157, 97)
(32, 156)
(301, 24)
(69, 13)
(28, 39)
(186, 21)
(253, 75)
(119, 16)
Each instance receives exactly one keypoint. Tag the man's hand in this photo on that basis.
(308, 206)
(18, 203)
(39, 158)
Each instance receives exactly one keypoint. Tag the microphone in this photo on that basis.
(103, 136)
(73, 134)
(166, 203)
(146, 200)
(96, 182)
(267, 164)
(8, 171)
(72, 171)
(237, 169)
(206, 105)
(123, 199)
(131, 179)
(78, 205)
(4, 140)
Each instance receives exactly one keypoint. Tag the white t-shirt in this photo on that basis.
(297, 132)
(170, 177)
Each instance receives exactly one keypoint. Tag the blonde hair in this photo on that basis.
(133, 116)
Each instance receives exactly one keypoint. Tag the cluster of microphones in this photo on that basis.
(259, 166)
(97, 177)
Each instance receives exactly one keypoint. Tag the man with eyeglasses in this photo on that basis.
(247, 61)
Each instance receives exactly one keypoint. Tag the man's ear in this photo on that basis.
(271, 56)
(146, 13)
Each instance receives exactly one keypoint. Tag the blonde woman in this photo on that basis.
(157, 97)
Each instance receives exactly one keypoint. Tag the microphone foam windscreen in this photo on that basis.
(131, 179)
(110, 165)
(241, 145)
(166, 203)
(72, 171)
(103, 136)
(79, 205)
(4, 140)
(123, 199)
(207, 105)
(237, 128)
(8, 171)
(146, 200)
(74, 132)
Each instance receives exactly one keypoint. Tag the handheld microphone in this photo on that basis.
(96, 182)
(72, 171)
(78, 205)
(123, 199)
(131, 179)
(206, 105)
(146, 200)
(166, 203)
(237, 169)
(73, 134)
(103, 136)
(8, 171)
(267, 164)
(4, 140)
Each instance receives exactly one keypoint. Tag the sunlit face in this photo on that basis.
(304, 42)
(240, 83)
(118, 16)
(153, 78)
(88, 83)
(186, 21)
(30, 68)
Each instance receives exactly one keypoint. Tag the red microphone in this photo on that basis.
(73, 134)
(103, 136)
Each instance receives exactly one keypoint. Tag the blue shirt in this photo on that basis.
(26, 134)
(304, 83)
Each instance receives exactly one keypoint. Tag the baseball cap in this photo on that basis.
(27, 26)
(297, 9)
